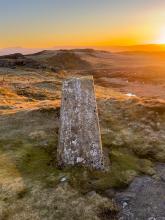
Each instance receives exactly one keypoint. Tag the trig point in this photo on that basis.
(79, 135)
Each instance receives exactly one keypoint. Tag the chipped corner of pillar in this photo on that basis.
(79, 133)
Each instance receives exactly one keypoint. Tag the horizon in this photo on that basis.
(47, 24)
(113, 48)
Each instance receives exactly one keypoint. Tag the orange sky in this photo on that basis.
(81, 23)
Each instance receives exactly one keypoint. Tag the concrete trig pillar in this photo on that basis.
(79, 134)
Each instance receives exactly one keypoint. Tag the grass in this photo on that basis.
(7, 92)
(124, 167)
(38, 163)
(32, 182)
(32, 187)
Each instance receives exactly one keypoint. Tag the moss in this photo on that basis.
(124, 160)
(79, 178)
(34, 162)
(38, 162)
(113, 179)
(124, 167)
(105, 140)
(155, 152)
(11, 144)
(31, 159)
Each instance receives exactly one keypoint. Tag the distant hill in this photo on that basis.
(48, 59)
(13, 56)
(12, 50)
(65, 59)
(25, 51)
(68, 60)
(160, 54)
(143, 47)
(20, 60)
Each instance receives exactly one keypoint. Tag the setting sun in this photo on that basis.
(161, 38)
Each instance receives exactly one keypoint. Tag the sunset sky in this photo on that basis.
(97, 23)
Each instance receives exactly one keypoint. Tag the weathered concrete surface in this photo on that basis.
(79, 136)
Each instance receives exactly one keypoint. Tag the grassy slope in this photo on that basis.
(31, 187)
(31, 180)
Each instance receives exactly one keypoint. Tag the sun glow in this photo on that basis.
(161, 38)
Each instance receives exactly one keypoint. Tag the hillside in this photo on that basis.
(131, 104)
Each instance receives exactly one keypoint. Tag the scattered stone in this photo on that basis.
(124, 204)
(63, 179)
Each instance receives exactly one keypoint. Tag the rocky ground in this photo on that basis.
(132, 129)
(144, 198)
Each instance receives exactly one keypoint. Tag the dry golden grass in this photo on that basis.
(133, 139)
